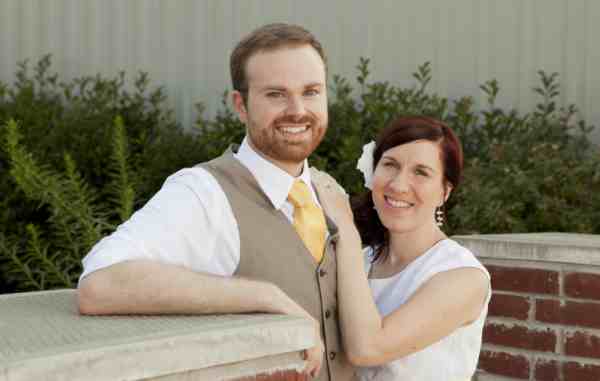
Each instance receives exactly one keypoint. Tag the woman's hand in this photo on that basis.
(333, 198)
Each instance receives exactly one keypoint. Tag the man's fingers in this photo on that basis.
(310, 362)
(311, 369)
(313, 362)
(315, 372)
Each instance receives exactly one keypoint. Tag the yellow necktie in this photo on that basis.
(309, 220)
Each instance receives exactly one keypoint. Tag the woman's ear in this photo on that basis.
(447, 191)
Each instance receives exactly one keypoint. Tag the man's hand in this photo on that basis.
(280, 303)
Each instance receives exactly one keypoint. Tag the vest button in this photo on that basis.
(331, 355)
(327, 314)
(322, 273)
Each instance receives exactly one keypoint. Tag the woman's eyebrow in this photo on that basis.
(425, 167)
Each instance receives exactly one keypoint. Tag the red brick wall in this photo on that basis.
(543, 322)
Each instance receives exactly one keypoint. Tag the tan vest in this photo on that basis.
(271, 250)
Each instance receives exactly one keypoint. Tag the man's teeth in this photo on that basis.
(398, 203)
(294, 130)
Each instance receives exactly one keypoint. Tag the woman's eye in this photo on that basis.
(274, 94)
(421, 172)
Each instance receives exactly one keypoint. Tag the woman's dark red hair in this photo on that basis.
(401, 131)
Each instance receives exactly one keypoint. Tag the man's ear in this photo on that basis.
(239, 106)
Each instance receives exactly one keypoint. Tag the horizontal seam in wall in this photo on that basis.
(544, 296)
(537, 355)
(532, 264)
(542, 324)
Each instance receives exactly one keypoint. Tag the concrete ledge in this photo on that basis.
(42, 337)
(570, 248)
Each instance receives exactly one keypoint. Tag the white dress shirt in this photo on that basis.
(189, 221)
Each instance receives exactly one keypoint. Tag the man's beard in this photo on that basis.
(273, 143)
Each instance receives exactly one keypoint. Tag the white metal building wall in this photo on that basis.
(185, 44)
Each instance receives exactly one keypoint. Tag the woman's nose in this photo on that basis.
(400, 182)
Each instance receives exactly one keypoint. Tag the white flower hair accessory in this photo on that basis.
(365, 163)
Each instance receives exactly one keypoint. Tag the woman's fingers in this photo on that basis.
(326, 182)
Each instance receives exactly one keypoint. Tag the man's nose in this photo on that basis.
(295, 107)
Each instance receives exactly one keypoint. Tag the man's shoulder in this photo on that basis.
(226, 159)
(197, 179)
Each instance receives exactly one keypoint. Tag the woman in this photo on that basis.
(418, 310)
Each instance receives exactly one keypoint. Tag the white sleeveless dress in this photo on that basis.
(454, 358)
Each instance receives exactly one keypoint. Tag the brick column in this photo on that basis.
(544, 315)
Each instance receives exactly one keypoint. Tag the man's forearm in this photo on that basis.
(146, 287)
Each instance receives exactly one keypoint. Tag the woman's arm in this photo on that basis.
(444, 303)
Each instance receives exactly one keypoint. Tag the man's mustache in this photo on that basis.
(291, 119)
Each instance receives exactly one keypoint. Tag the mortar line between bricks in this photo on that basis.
(545, 296)
(496, 377)
(531, 367)
(534, 355)
(539, 325)
(560, 337)
(559, 349)
(561, 283)
(532, 309)
(522, 323)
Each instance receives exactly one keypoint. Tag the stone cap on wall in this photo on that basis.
(43, 337)
(547, 247)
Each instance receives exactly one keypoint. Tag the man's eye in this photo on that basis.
(274, 94)
(311, 93)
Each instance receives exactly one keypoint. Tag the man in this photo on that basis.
(198, 246)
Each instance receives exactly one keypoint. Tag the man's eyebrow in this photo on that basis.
(314, 84)
(311, 85)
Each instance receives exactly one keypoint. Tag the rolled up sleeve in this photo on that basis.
(189, 223)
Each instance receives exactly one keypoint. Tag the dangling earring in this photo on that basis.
(439, 216)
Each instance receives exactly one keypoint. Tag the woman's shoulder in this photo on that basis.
(449, 255)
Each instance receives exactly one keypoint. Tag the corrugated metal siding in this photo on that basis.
(185, 44)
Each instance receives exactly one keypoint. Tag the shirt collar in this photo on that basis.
(274, 181)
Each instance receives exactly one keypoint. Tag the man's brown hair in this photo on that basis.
(267, 38)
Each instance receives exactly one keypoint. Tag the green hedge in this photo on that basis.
(106, 145)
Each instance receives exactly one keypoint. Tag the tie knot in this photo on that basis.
(300, 194)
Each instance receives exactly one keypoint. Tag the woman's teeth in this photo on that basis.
(398, 203)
